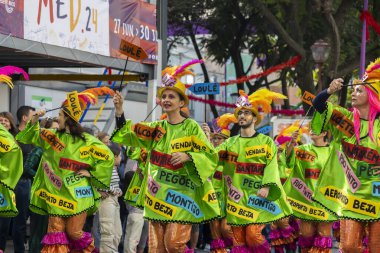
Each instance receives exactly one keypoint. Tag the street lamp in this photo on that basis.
(320, 51)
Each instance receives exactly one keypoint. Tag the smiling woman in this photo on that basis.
(180, 158)
(359, 131)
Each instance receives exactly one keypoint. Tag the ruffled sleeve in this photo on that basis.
(138, 135)
(271, 176)
(11, 162)
(103, 163)
(336, 119)
(204, 158)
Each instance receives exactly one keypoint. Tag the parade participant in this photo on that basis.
(221, 233)
(349, 185)
(308, 162)
(73, 163)
(255, 195)
(180, 160)
(11, 168)
(284, 232)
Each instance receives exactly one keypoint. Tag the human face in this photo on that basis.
(28, 117)
(246, 118)
(5, 122)
(54, 125)
(359, 96)
(117, 160)
(106, 140)
(61, 120)
(216, 140)
(171, 101)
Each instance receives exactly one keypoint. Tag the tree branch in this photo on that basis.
(371, 55)
(280, 29)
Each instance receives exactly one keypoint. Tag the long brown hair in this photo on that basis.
(76, 129)
(14, 130)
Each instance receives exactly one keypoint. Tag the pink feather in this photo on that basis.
(186, 65)
(11, 70)
(282, 139)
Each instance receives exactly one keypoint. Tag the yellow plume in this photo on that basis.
(6, 79)
(263, 98)
(225, 120)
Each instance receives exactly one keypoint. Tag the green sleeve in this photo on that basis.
(11, 162)
(129, 134)
(290, 161)
(31, 135)
(134, 153)
(271, 176)
(204, 158)
(321, 121)
(101, 172)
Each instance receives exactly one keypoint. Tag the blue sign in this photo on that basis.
(264, 129)
(205, 88)
(264, 204)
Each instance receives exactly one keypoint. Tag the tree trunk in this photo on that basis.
(305, 80)
(284, 88)
(204, 70)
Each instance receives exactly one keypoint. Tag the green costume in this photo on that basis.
(219, 185)
(250, 164)
(283, 168)
(132, 195)
(56, 189)
(308, 162)
(348, 186)
(179, 193)
(11, 168)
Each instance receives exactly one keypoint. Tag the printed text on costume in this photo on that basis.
(163, 160)
(352, 203)
(303, 208)
(149, 133)
(342, 123)
(57, 201)
(361, 153)
(52, 140)
(159, 207)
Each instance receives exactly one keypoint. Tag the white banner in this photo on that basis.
(79, 24)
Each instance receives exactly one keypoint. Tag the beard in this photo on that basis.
(246, 125)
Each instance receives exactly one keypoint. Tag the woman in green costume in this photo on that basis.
(308, 162)
(254, 192)
(180, 161)
(73, 163)
(350, 186)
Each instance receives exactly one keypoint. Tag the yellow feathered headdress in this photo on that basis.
(77, 102)
(258, 101)
(372, 76)
(171, 79)
(285, 134)
(221, 125)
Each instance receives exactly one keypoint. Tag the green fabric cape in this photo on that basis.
(56, 189)
(174, 193)
(348, 186)
(11, 169)
(250, 164)
(308, 162)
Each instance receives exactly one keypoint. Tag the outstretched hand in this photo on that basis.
(118, 100)
(335, 85)
(263, 192)
(37, 115)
